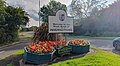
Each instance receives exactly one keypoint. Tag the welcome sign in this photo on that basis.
(60, 23)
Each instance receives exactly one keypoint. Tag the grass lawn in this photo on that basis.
(31, 36)
(101, 58)
(20, 52)
(26, 36)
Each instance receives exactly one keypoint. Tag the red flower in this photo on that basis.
(34, 47)
(40, 46)
(49, 49)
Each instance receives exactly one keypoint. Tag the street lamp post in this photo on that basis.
(39, 13)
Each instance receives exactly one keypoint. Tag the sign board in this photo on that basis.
(60, 23)
(64, 50)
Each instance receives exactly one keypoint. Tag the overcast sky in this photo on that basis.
(32, 6)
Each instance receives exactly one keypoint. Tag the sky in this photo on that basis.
(32, 7)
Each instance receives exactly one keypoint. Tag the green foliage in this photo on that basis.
(16, 15)
(2, 4)
(89, 14)
(51, 9)
(88, 27)
(85, 8)
(101, 58)
(10, 20)
(25, 30)
(95, 20)
(96, 26)
(33, 28)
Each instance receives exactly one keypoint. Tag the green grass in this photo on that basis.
(26, 36)
(101, 58)
(30, 36)
(107, 38)
(20, 52)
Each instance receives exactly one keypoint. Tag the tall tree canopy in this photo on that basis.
(10, 20)
(88, 14)
(50, 9)
(16, 15)
(86, 8)
(2, 4)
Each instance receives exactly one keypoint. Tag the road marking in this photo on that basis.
(2, 52)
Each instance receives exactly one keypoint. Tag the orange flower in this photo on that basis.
(79, 42)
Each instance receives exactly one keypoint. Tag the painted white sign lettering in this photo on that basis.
(60, 23)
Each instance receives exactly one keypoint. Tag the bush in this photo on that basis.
(7, 36)
(33, 28)
(24, 30)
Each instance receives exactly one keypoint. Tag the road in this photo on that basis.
(5, 52)
(100, 43)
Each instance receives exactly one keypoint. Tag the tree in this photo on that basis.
(51, 9)
(88, 13)
(2, 3)
(10, 20)
(85, 8)
(15, 16)
(2, 6)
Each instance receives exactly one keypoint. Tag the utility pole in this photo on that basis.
(39, 13)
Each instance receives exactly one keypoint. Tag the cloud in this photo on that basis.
(32, 7)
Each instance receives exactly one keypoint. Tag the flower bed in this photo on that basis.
(37, 58)
(45, 45)
(79, 46)
(41, 52)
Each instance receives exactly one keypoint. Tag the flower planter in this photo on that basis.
(37, 58)
(80, 49)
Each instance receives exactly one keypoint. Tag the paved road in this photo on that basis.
(5, 52)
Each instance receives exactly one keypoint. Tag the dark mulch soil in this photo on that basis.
(14, 60)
